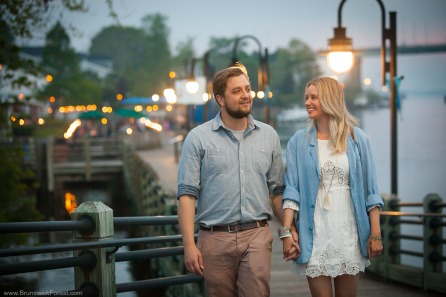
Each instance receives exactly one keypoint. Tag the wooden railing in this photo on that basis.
(95, 252)
(84, 156)
(431, 276)
(85, 149)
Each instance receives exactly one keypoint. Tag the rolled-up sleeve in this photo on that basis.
(275, 181)
(373, 197)
(291, 177)
(189, 167)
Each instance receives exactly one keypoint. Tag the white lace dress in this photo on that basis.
(336, 248)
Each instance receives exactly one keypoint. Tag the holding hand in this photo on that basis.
(290, 240)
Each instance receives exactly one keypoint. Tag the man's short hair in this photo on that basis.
(222, 76)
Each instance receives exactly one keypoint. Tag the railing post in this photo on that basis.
(102, 275)
(390, 226)
(433, 248)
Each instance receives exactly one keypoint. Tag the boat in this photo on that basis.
(295, 114)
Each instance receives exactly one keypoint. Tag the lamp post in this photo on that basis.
(342, 46)
(262, 72)
(192, 85)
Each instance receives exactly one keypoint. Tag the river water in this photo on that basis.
(421, 146)
(421, 156)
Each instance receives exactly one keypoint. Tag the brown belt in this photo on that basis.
(236, 227)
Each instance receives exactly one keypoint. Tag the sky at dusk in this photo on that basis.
(275, 24)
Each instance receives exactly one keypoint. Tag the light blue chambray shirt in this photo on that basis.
(232, 181)
(302, 181)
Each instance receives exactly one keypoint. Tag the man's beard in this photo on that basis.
(238, 114)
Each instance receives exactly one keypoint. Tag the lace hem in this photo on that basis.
(348, 270)
(302, 270)
(290, 204)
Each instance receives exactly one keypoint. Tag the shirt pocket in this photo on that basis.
(261, 159)
(217, 160)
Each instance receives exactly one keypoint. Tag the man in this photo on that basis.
(230, 167)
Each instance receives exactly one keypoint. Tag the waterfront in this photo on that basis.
(422, 168)
(421, 155)
(421, 146)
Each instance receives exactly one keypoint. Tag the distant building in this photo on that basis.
(100, 65)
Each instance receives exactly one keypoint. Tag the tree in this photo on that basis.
(141, 56)
(70, 86)
(18, 20)
(158, 59)
(124, 45)
(24, 16)
(58, 57)
(15, 205)
(181, 62)
(290, 69)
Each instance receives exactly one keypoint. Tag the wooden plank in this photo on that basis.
(406, 275)
(436, 281)
(286, 284)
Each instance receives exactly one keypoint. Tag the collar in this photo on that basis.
(217, 123)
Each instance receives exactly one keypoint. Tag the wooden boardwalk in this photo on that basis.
(286, 284)
(283, 282)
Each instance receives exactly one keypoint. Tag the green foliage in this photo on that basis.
(25, 130)
(70, 86)
(141, 56)
(18, 19)
(290, 69)
(25, 15)
(124, 45)
(15, 203)
(58, 57)
(52, 127)
(181, 62)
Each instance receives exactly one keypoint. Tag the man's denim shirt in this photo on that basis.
(302, 181)
(232, 181)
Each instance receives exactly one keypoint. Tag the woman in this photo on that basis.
(331, 184)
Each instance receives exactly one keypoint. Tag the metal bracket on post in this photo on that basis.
(109, 255)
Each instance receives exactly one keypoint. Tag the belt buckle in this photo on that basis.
(232, 231)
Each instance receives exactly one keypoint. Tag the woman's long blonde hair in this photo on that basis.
(331, 98)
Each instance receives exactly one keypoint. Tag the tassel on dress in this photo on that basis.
(326, 202)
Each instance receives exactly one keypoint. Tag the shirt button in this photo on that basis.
(312, 206)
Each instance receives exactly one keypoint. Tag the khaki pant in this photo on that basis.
(236, 264)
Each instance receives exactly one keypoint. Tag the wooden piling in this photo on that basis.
(102, 275)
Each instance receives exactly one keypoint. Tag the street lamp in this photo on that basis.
(262, 73)
(169, 91)
(342, 46)
(192, 85)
